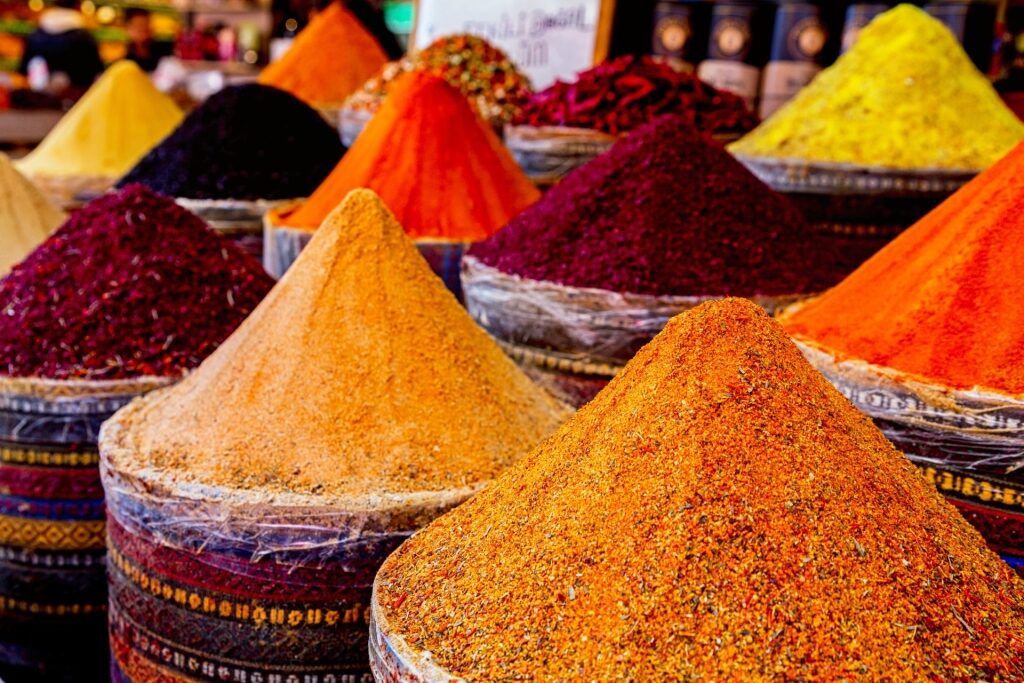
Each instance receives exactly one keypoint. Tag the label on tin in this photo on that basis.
(673, 34)
(783, 80)
(731, 32)
(736, 77)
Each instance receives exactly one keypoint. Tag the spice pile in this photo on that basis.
(131, 285)
(905, 96)
(284, 499)
(119, 119)
(482, 72)
(451, 179)
(936, 302)
(329, 59)
(246, 142)
(719, 512)
(26, 216)
(620, 95)
(665, 212)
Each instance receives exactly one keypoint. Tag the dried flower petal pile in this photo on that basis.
(719, 512)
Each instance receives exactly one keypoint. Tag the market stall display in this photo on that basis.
(251, 504)
(126, 296)
(450, 182)
(576, 284)
(118, 120)
(246, 149)
(718, 512)
(926, 338)
(26, 216)
(880, 138)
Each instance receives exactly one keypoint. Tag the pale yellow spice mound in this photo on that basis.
(26, 216)
(905, 96)
(718, 513)
(359, 373)
(120, 118)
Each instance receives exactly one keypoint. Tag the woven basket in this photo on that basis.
(52, 577)
(860, 208)
(969, 444)
(248, 583)
(572, 340)
(240, 220)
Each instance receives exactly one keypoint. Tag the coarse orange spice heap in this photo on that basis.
(719, 512)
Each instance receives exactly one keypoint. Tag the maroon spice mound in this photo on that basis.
(666, 211)
(618, 96)
(131, 285)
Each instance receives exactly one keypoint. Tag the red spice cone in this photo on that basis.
(719, 512)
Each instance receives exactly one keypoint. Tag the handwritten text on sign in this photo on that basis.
(547, 39)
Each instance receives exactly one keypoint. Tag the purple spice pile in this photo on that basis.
(666, 211)
(623, 94)
(245, 142)
(131, 285)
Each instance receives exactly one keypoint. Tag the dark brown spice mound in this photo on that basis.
(131, 285)
(719, 512)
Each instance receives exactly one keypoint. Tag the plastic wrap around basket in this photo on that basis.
(240, 220)
(351, 123)
(253, 585)
(283, 244)
(861, 208)
(70, 192)
(573, 340)
(549, 153)
(970, 444)
(52, 577)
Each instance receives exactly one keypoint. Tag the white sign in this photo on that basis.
(547, 39)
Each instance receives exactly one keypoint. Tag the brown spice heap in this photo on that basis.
(358, 374)
(719, 512)
(26, 216)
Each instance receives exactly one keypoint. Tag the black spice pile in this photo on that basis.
(245, 142)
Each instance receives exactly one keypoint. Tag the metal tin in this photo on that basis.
(680, 33)
(737, 48)
(798, 50)
(859, 15)
(973, 22)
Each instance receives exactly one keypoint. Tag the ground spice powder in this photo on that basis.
(412, 395)
(245, 142)
(666, 211)
(905, 96)
(450, 179)
(937, 301)
(26, 216)
(719, 512)
(131, 285)
(329, 60)
(120, 118)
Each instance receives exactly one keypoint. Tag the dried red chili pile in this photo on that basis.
(666, 211)
(130, 285)
(718, 513)
(618, 96)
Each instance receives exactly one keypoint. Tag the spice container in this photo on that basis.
(248, 542)
(738, 47)
(973, 22)
(578, 282)
(417, 180)
(568, 124)
(239, 220)
(704, 495)
(799, 49)
(681, 30)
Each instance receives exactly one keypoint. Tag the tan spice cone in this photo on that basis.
(359, 377)
(26, 216)
(719, 512)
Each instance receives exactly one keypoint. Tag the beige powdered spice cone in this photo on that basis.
(359, 383)
(26, 216)
(718, 513)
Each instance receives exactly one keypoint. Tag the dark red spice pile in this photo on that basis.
(623, 94)
(130, 285)
(245, 142)
(666, 211)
